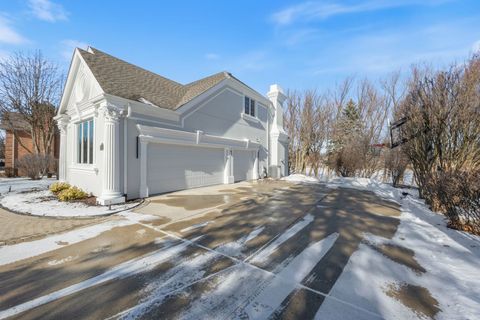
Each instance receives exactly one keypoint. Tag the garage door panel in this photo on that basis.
(243, 165)
(173, 167)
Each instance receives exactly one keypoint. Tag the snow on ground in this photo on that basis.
(44, 203)
(33, 197)
(300, 178)
(24, 184)
(451, 259)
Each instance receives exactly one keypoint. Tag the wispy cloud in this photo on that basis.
(212, 56)
(69, 45)
(322, 10)
(8, 34)
(47, 10)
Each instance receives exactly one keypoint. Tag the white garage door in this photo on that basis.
(171, 167)
(243, 165)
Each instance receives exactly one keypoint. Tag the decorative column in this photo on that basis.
(111, 192)
(143, 168)
(62, 122)
(228, 171)
(277, 133)
(255, 166)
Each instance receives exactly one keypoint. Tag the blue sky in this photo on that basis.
(312, 44)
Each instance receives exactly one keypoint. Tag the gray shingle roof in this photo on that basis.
(120, 78)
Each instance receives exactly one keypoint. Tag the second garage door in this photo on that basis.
(172, 167)
(243, 165)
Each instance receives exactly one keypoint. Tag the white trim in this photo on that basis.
(170, 136)
(144, 192)
(125, 154)
(249, 117)
(84, 168)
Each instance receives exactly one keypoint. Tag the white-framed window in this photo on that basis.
(249, 106)
(85, 137)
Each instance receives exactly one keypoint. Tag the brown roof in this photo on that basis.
(13, 121)
(120, 78)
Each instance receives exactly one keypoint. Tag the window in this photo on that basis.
(249, 106)
(85, 142)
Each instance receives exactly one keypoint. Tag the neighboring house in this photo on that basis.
(18, 142)
(128, 133)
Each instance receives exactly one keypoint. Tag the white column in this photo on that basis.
(62, 122)
(111, 192)
(143, 168)
(228, 171)
(255, 166)
(277, 133)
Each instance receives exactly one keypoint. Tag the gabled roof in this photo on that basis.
(120, 78)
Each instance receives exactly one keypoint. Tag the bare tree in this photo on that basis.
(443, 112)
(30, 88)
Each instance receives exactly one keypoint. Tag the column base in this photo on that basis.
(229, 180)
(110, 199)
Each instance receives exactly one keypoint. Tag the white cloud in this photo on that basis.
(47, 10)
(8, 34)
(69, 45)
(212, 56)
(476, 46)
(323, 10)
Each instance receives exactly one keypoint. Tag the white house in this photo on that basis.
(126, 132)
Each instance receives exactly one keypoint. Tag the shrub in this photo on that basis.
(72, 193)
(11, 172)
(57, 187)
(395, 165)
(35, 165)
(457, 194)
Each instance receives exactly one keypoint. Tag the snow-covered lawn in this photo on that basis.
(23, 184)
(33, 197)
(451, 260)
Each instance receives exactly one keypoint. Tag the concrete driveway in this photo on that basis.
(259, 250)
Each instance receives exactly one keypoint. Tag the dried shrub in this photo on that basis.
(395, 165)
(71, 194)
(35, 166)
(457, 194)
(11, 172)
(57, 187)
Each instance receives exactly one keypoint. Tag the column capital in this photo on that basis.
(111, 112)
(62, 122)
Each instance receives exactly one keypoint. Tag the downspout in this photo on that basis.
(125, 153)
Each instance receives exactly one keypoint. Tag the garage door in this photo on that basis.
(242, 165)
(171, 167)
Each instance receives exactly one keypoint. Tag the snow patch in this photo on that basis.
(263, 255)
(24, 250)
(300, 178)
(61, 261)
(195, 226)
